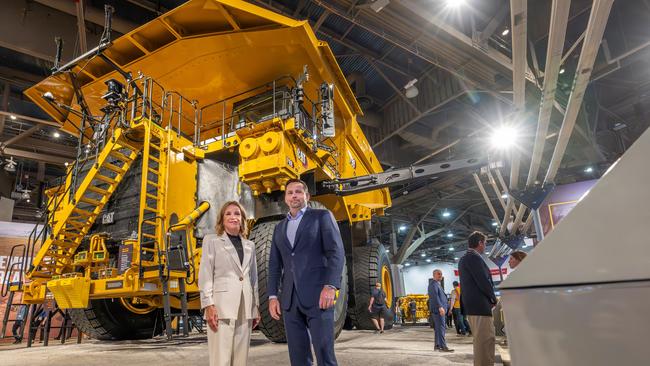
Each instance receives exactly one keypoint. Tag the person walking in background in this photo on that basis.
(455, 310)
(378, 308)
(21, 316)
(413, 309)
(228, 287)
(305, 270)
(438, 308)
(478, 298)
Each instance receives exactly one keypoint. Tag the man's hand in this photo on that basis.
(327, 296)
(274, 309)
(442, 311)
(212, 317)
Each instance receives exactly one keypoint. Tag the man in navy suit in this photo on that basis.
(438, 307)
(477, 298)
(307, 256)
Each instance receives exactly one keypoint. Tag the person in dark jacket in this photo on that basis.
(478, 298)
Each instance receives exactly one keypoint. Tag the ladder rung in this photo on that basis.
(90, 201)
(105, 179)
(149, 222)
(149, 236)
(147, 208)
(71, 234)
(120, 156)
(147, 243)
(98, 190)
(155, 146)
(151, 250)
(152, 170)
(152, 183)
(151, 196)
(154, 159)
(114, 168)
(75, 224)
(83, 212)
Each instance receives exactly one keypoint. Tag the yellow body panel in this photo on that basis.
(71, 292)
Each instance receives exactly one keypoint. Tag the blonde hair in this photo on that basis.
(243, 226)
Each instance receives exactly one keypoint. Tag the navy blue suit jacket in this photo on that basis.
(315, 260)
(477, 289)
(437, 297)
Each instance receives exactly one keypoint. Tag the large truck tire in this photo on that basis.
(370, 265)
(109, 319)
(262, 236)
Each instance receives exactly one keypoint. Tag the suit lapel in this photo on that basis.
(283, 233)
(230, 248)
(248, 251)
(306, 216)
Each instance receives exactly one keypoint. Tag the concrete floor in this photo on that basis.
(400, 346)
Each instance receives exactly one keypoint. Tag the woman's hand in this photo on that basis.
(212, 317)
(257, 320)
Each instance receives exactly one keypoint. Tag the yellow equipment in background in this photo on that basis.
(212, 81)
(422, 308)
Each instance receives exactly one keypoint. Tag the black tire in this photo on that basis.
(262, 236)
(108, 319)
(368, 262)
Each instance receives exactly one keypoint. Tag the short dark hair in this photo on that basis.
(304, 185)
(475, 238)
(455, 283)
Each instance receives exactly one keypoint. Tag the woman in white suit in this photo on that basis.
(228, 284)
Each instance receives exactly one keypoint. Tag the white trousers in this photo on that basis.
(228, 346)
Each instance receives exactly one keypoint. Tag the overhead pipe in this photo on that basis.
(557, 33)
(518, 19)
(594, 34)
(591, 44)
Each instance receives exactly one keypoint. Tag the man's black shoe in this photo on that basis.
(445, 349)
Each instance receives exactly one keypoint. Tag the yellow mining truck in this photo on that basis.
(214, 100)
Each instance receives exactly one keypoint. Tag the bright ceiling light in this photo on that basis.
(562, 71)
(450, 235)
(56, 135)
(505, 32)
(407, 264)
(446, 213)
(423, 255)
(12, 117)
(504, 196)
(589, 169)
(495, 224)
(454, 3)
(503, 137)
(455, 258)
(387, 250)
(451, 249)
(428, 260)
(402, 227)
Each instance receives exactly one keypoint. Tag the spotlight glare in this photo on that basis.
(450, 235)
(446, 213)
(12, 117)
(387, 250)
(495, 224)
(589, 170)
(407, 264)
(455, 3)
(428, 260)
(423, 255)
(505, 32)
(562, 71)
(451, 249)
(56, 135)
(504, 196)
(455, 258)
(503, 137)
(402, 227)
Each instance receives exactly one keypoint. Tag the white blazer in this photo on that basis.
(223, 278)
